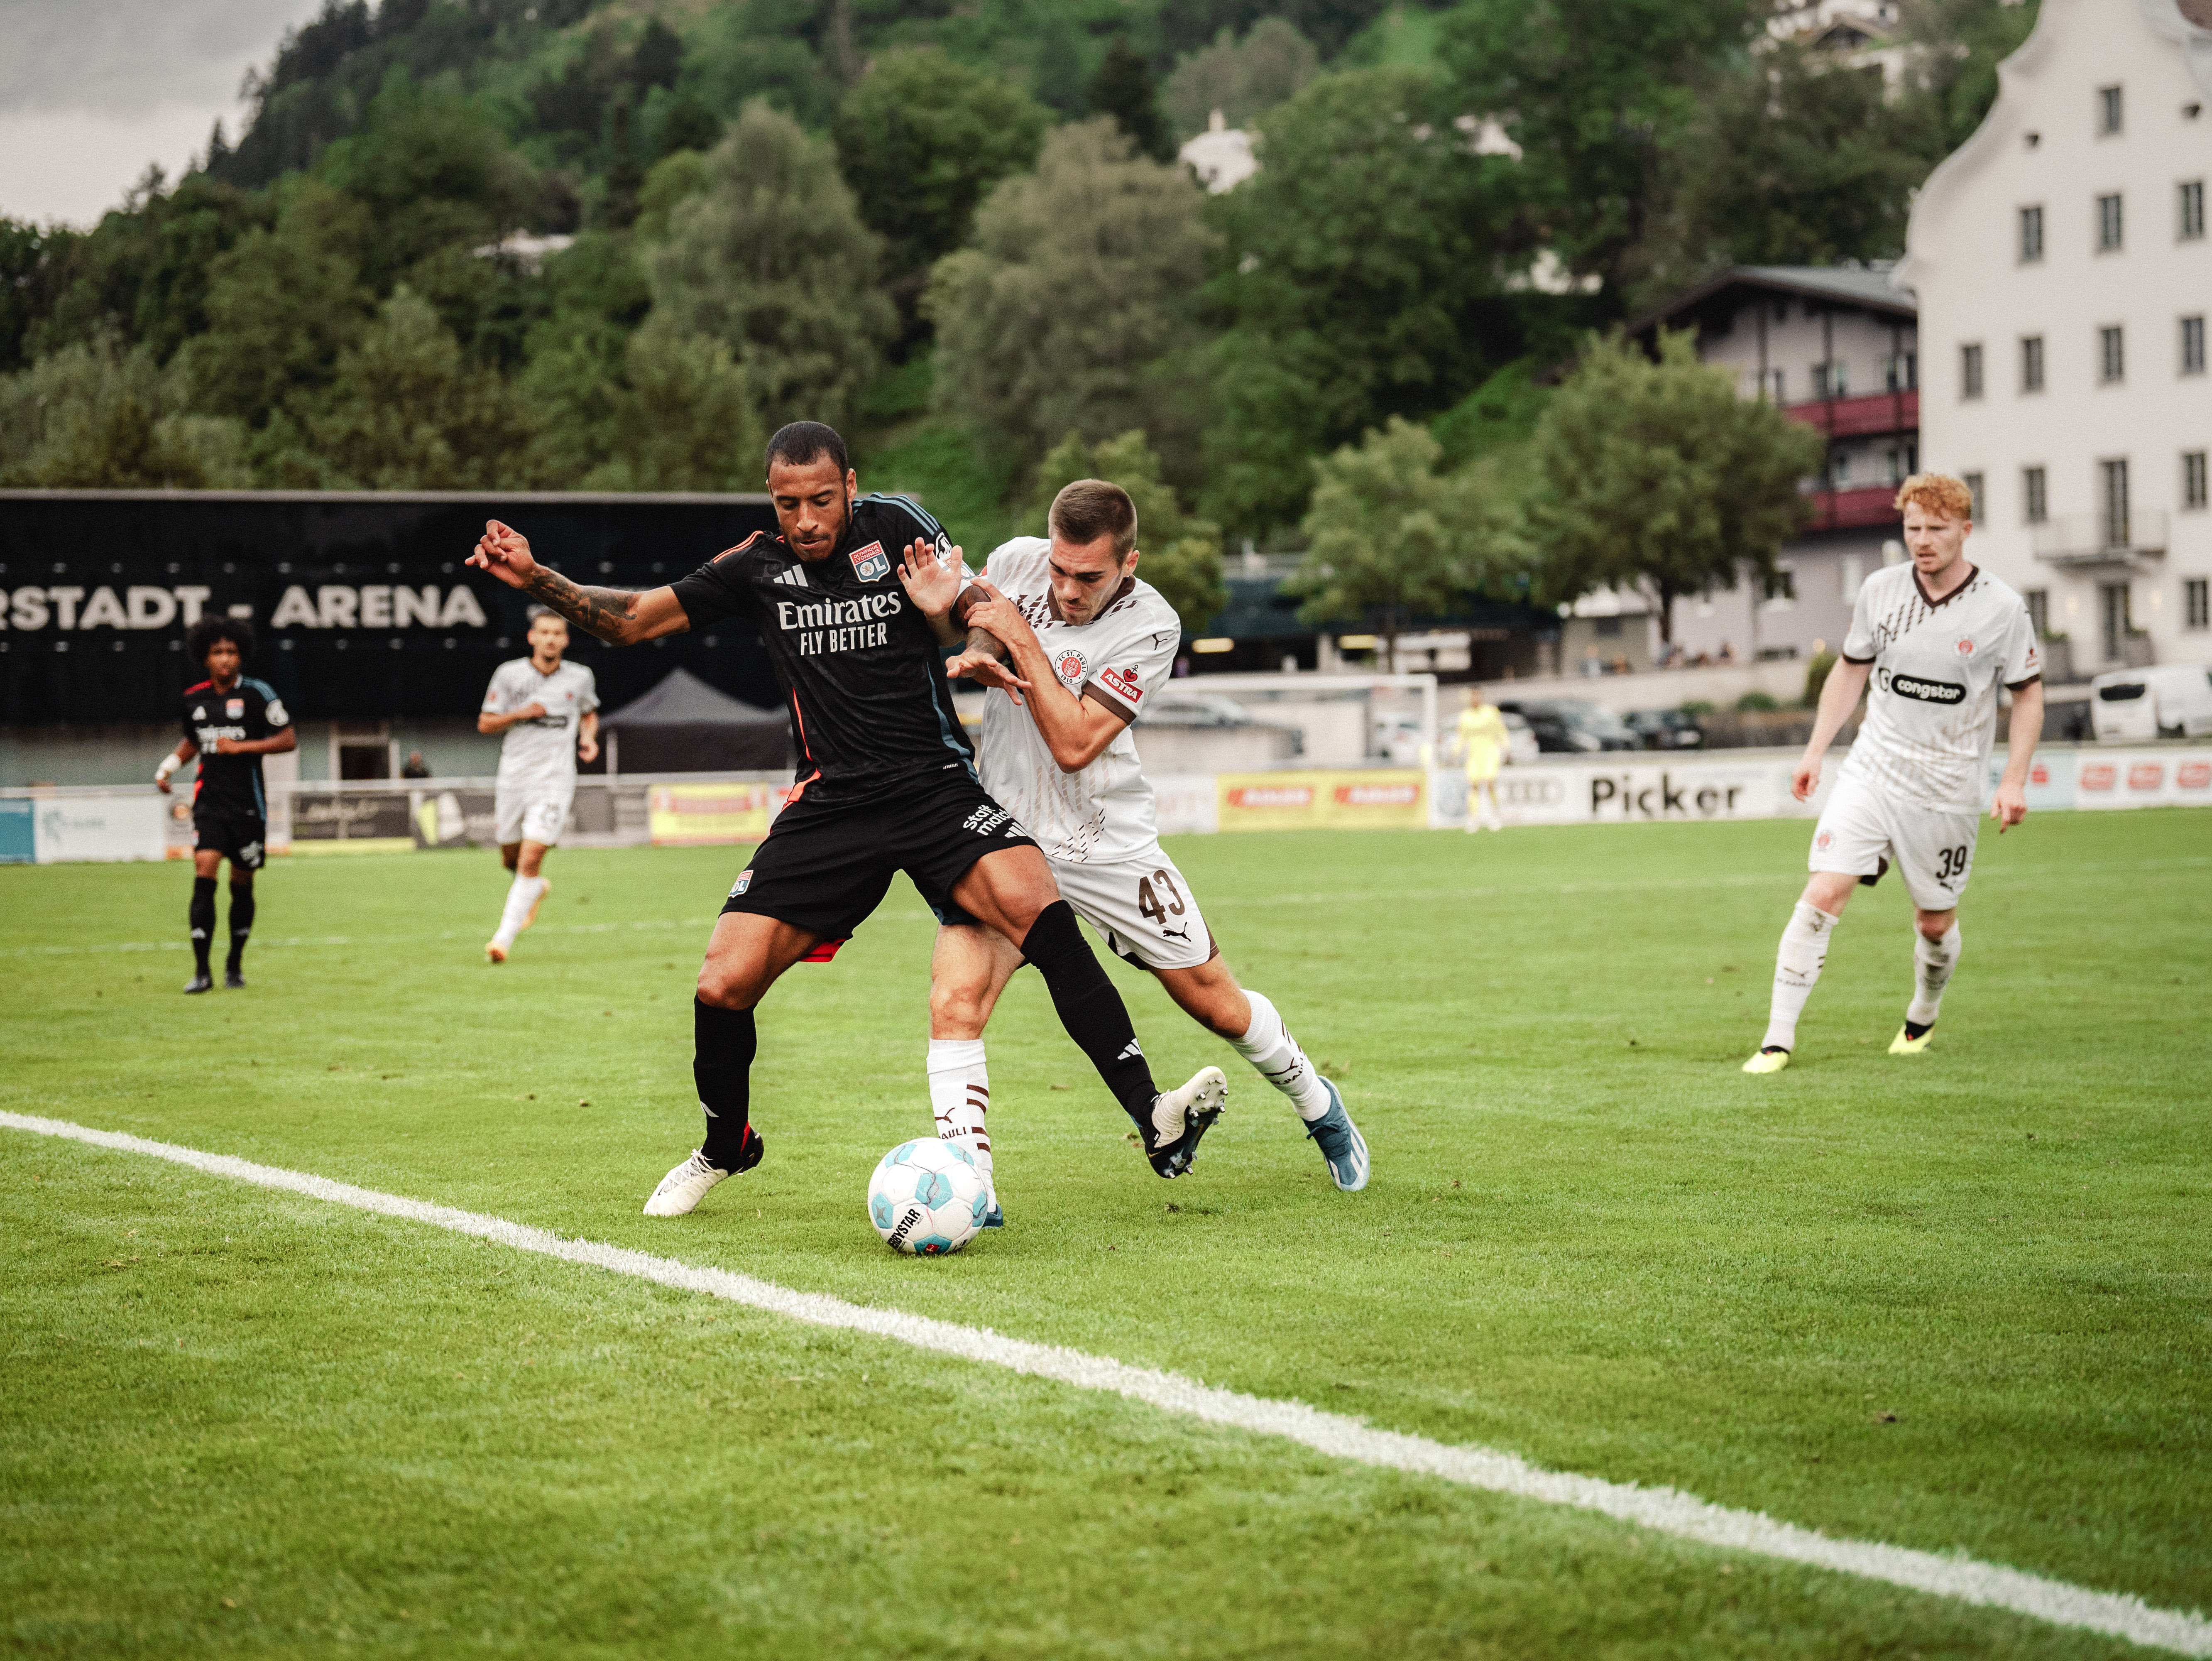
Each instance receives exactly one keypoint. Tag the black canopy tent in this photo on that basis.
(684, 726)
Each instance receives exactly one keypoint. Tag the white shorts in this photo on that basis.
(1861, 826)
(1142, 906)
(531, 813)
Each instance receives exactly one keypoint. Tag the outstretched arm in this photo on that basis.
(619, 617)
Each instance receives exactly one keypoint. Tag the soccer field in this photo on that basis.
(1960, 1303)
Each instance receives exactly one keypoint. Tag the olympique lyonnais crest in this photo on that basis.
(871, 563)
(233, 709)
(1071, 666)
(1965, 648)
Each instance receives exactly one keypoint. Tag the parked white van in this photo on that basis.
(2170, 700)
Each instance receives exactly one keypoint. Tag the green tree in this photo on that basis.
(672, 414)
(1359, 281)
(771, 259)
(1595, 92)
(1070, 312)
(921, 140)
(1181, 555)
(282, 306)
(1122, 89)
(1387, 534)
(94, 417)
(1957, 46)
(1655, 475)
(408, 411)
(1243, 79)
(1790, 159)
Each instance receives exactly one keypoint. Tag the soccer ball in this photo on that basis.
(927, 1197)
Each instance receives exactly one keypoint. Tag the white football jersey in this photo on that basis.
(1103, 812)
(1932, 716)
(542, 750)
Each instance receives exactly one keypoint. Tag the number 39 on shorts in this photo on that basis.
(1951, 862)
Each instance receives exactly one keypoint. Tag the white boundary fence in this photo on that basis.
(135, 822)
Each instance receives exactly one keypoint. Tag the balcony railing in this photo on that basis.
(1857, 417)
(1841, 510)
(2096, 539)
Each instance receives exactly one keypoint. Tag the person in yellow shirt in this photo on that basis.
(1482, 741)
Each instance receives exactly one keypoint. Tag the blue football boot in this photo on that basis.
(1341, 1144)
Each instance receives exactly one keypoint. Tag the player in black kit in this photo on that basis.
(886, 782)
(231, 721)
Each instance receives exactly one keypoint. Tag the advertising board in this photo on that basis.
(700, 815)
(1681, 790)
(1375, 799)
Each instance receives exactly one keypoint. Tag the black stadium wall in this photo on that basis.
(364, 608)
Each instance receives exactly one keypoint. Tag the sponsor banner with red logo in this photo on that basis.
(1381, 799)
(699, 815)
(2142, 778)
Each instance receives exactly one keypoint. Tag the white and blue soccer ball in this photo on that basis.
(928, 1198)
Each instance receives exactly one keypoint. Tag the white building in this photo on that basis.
(2064, 277)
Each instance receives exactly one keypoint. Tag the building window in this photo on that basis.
(2031, 363)
(2196, 604)
(1829, 380)
(1781, 583)
(2038, 611)
(1970, 371)
(2191, 216)
(2030, 236)
(1898, 470)
(2119, 626)
(1974, 483)
(2193, 345)
(2035, 494)
(2115, 499)
(2192, 478)
(1901, 372)
(2108, 109)
(2112, 353)
(2110, 226)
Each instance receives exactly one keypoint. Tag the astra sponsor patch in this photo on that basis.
(1927, 691)
(1121, 681)
(871, 563)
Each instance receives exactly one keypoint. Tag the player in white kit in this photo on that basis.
(547, 708)
(1935, 636)
(1087, 642)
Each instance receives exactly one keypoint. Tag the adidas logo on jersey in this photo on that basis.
(794, 578)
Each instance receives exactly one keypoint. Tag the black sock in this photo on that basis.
(1090, 1008)
(241, 923)
(722, 1045)
(203, 919)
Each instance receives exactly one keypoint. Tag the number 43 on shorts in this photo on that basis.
(1148, 900)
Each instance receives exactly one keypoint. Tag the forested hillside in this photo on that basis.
(955, 227)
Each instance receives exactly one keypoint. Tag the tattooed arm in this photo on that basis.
(615, 616)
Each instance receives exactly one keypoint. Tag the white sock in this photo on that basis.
(959, 1094)
(1933, 962)
(519, 898)
(1796, 966)
(1274, 1053)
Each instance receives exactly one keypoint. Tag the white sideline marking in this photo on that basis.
(1663, 1511)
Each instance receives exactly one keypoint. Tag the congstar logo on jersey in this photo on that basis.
(1927, 691)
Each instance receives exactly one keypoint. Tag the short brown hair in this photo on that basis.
(1092, 507)
(1939, 493)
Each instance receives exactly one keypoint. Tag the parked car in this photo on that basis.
(1400, 739)
(1521, 748)
(1173, 706)
(2172, 701)
(1666, 730)
(1572, 725)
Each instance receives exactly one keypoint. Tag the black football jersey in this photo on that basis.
(250, 710)
(861, 670)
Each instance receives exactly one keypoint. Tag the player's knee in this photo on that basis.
(956, 1010)
(728, 986)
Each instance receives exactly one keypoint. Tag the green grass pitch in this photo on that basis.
(1958, 1302)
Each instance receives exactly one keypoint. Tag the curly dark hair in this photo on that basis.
(200, 639)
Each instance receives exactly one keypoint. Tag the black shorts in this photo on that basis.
(241, 838)
(826, 866)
